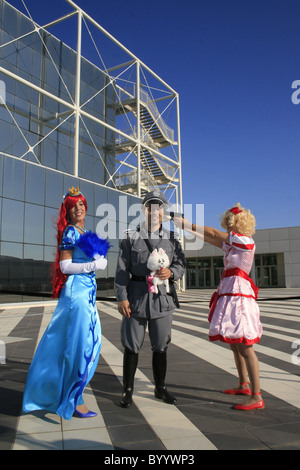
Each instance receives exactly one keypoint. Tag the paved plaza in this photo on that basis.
(198, 371)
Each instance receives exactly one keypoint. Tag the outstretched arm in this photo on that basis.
(209, 234)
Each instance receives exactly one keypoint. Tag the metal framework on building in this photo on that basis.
(146, 142)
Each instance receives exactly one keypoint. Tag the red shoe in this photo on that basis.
(255, 406)
(241, 391)
(245, 391)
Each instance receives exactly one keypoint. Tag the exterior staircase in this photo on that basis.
(156, 134)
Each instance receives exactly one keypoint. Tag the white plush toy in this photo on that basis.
(157, 260)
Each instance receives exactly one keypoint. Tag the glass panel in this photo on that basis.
(100, 196)
(201, 277)
(204, 277)
(51, 77)
(204, 262)
(35, 184)
(48, 150)
(15, 272)
(13, 214)
(9, 21)
(10, 86)
(191, 263)
(14, 250)
(6, 132)
(68, 59)
(51, 216)
(218, 262)
(98, 170)
(1, 172)
(258, 276)
(86, 163)
(49, 253)
(207, 278)
(25, 25)
(24, 61)
(192, 277)
(4, 270)
(23, 92)
(69, 182)
(14, 178)
(11, 263)
(34, 224)
(33, 252)
(269, 260)
(34, 273)
(266, 279)
(36, 64)
(217, 275)
(54, 190)
(89, 223)
(8, 56)
(112, 263)
(65, 159)
(274, 276)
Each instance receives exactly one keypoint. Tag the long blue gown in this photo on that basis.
(68, 353)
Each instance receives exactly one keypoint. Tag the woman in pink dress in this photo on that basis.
(234, 313)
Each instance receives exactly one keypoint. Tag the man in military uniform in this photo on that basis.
(138, 306)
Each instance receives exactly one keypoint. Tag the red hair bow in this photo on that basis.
(235, 210)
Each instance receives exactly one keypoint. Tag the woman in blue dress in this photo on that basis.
(68, 353)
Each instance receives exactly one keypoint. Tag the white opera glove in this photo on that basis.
(100, 261)
(68, 267)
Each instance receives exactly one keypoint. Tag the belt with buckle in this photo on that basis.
(138, 278)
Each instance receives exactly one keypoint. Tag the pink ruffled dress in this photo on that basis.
(236, 318)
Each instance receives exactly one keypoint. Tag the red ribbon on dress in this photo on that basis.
(241, 273)
(227, 273)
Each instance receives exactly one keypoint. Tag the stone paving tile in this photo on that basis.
(204, 415)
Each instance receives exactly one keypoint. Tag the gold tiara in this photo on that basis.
(74, 191)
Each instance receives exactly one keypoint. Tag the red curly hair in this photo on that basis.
(58, 278)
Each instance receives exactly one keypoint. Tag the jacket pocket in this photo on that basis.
(139, 257)
(165, 301)
(137, 296)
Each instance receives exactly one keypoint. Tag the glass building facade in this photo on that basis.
(206, 272)
(37, 138)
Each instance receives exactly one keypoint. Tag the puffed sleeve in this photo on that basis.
(241, 242)
(68, 239)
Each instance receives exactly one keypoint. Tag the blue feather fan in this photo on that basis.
(92, 245)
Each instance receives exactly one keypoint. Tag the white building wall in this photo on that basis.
(284, 241)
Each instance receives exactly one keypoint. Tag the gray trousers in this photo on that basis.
(133, 332)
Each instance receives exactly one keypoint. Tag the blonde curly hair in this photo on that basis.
(244, 221)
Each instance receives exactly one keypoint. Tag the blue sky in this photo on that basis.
(233, 63)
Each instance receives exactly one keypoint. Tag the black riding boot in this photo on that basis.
(159, 365)
(130, 360)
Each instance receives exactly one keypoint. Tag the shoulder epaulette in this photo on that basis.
(128, 232)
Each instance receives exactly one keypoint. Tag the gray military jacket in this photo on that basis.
(132, 261)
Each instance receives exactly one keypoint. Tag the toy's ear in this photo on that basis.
(154, 252)
(162, 251)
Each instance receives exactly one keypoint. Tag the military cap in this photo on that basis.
(154, 197)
